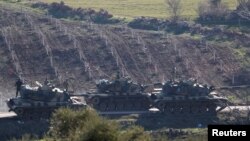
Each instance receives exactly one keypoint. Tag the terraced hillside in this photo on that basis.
(37, 46)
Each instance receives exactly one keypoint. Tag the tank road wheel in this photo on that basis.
(103, 107)
(111, 107)
(161, 106)
(178, 109)
(211, 109)
(189, 109)
(95, 100)
(184, 108)
(120, 107)
(170, 108)
(34, 115)
(202, 109)
(167, 109)
(174, 108)
(138, 106)
(194, 109)
(129, 106)
(45, 114)
(144, 106)
(20, 112)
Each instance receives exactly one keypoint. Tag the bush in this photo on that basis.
(65, 122)
(242, 12)
(212, 11)
(178, 27)
(86, 125)
(147, 23)
(103, 131)
(60, 10)
(134, 133)
(243, 5)
(156, 24)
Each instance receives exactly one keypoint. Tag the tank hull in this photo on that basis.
(105, 102)
(30, 109)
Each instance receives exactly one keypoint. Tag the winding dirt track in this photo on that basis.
(151, 111)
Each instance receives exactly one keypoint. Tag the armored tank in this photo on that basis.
(119, 95)
(188, 97)
(41, 101)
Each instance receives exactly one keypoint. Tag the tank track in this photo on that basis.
(187, 107)
(33, 113)
(120, 103)
(39, 112)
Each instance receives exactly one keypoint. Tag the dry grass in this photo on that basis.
(135, 8)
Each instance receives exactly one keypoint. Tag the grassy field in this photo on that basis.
(135, 8)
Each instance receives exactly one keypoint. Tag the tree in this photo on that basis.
(174, 7)
(243, 9)
(245, 4)
(212, 10)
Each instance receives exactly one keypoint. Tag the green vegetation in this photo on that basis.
(132, 8)
(15, 5)
(86, 125)
(242, 53)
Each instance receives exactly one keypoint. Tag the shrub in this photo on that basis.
(134, 133)
(103, 131)
(174, 7)
(60, 10)
(65, 122)
(86, 125)
(148, 23)
(212, 11)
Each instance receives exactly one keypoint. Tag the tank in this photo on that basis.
(120, 94)
(41, 101)
(188, 97)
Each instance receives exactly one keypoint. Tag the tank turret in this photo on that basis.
(187, 87)
(119, 86)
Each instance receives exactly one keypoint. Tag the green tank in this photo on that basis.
(119, 95)
(188, 97)
(40, 102)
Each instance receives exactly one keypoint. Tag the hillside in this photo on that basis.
(37, 46)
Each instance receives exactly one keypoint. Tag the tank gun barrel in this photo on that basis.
(80, 95)
(232, 87)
